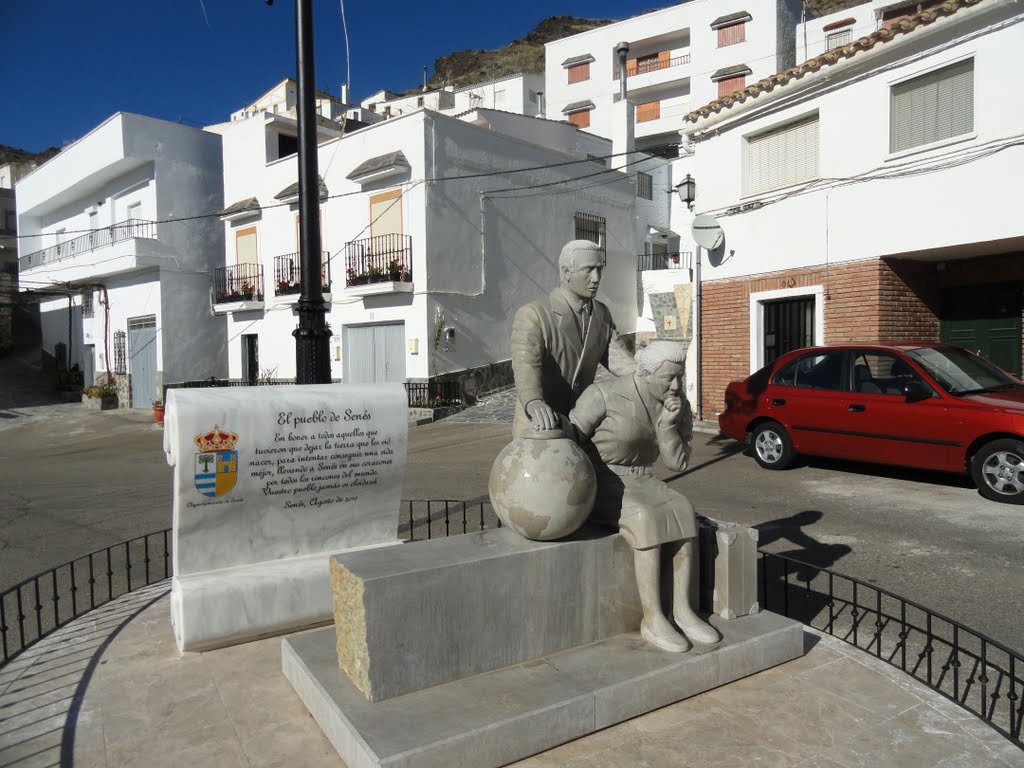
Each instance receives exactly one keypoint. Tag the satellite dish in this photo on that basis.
(707, 232)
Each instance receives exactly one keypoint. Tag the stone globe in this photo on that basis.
(542, 487)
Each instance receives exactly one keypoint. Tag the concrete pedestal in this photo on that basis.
(502, 716)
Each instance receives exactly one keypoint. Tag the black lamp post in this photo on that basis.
(312, 337)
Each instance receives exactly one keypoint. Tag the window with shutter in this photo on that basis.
(732, 34)
(579, 72)
(731, 85)
(580, 119)
(935, 106)
(783, 156)
(245, 246)
(650, 110)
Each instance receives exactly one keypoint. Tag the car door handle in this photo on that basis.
(857, 408)
(778, 401)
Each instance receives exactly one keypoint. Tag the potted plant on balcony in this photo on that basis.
(397, 272)
(158, 412)
(100, 397)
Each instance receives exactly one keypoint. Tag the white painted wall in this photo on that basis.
(955, 204)
(479, 285)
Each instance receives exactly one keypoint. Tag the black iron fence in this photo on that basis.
(434, 518)
(98, 238)
(288, 273)
(672, 260)
(38, 606)
(981, 675)
(240, 282)
(380, 259)
(434, 394)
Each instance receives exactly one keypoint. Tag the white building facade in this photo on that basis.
(434, 230)
(678, 57)
(123, 284)
(861, 198)
(521, 94)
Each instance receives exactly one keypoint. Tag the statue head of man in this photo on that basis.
(661, 365)
(580, 264)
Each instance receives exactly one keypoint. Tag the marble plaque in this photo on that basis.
(268, 482)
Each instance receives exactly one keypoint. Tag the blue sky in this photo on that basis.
(72, 64)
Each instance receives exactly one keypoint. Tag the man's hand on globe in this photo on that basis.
(542, 416)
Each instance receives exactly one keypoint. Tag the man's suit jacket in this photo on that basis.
(552, 363)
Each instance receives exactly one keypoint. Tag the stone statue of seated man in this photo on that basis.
(624, 424)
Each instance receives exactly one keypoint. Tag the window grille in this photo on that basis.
(120, 356)
(591, 227)
(88, 310)
(781, 157)
(838, 38)
(644, 185)
(935, 106)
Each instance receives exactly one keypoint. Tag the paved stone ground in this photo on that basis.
(494, 406)
(111, 690)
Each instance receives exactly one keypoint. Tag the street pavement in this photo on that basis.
(72, 481)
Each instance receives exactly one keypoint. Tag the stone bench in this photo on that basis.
(430, 612)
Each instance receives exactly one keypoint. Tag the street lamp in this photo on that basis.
(687, 190)
(313, 335)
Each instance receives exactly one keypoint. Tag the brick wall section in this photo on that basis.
(865, 302)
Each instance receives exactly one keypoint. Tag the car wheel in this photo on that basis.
(998, 470)
(772, 447)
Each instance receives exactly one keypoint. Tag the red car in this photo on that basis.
(932, 406)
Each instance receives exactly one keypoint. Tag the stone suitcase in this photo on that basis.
(727, 568)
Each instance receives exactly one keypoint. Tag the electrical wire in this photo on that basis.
(433, 180)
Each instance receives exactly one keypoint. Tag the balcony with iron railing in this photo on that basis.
(94, 240)
(288, 274)
(381, 264)
(637, 67)
(647, 262)
(240, 286)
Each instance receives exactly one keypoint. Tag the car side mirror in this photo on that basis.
(916, 390)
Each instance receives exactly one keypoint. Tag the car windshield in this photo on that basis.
(959, 372)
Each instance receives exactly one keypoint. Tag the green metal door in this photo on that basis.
(985, 319)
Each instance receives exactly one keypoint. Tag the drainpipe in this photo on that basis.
(622, 50)
(70, 308)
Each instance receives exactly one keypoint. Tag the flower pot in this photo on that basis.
(158, 414)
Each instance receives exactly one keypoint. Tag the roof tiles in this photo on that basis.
(889, 31)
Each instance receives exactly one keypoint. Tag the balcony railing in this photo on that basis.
(380, 259)
(676, 260)
(91, 241)
(288, 273)
(241, 282)
(634, 67)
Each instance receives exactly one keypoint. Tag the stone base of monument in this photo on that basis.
(485, 648)
(499, 717)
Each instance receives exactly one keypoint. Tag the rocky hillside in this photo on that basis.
(527, 54)
(523, 55)
(15, 155)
